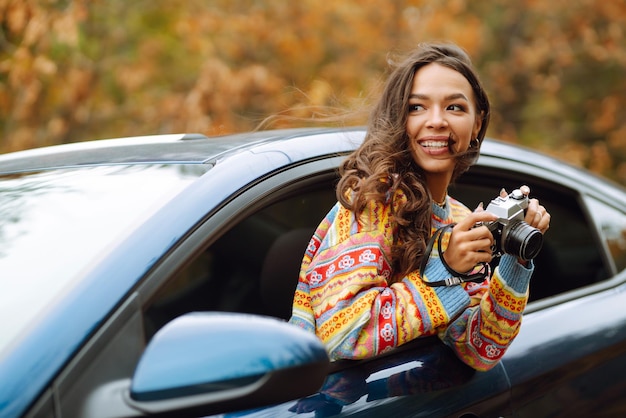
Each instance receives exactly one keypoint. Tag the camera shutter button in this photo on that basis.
(517, 194)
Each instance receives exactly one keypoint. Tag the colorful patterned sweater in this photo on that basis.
(344, 297)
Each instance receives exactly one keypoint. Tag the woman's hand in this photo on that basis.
(536, 215)
(470, 242)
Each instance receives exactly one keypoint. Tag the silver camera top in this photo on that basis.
(509, 207)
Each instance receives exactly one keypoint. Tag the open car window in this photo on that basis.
(253, 268)
(572, 256)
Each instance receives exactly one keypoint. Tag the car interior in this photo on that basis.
(254, 267)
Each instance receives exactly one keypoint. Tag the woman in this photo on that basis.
(368, 280)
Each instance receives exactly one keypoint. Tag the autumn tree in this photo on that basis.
(73, 70)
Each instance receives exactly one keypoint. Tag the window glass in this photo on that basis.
(43, 215)
(612, 226)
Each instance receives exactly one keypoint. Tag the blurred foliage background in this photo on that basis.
(74, 70)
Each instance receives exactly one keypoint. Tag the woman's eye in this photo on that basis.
(456, 108)
(415, 107)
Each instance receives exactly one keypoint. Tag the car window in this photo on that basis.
(252, 268)
(612, 226)
(571, 256)
(47, 214)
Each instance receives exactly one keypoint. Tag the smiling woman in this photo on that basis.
(369, 281)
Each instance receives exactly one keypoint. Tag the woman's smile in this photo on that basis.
(435, 145)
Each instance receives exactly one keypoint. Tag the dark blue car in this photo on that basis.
(153, 276)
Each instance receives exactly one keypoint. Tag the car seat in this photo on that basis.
(281, 267)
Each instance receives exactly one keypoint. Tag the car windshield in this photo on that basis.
(54, 224)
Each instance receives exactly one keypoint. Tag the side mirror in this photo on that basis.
(207, 363)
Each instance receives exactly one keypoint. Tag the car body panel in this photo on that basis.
(414, 381)
(568, 358)
(162, 149)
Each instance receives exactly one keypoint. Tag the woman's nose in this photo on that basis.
(436, 118)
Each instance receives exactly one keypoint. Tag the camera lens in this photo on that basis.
(522, 240)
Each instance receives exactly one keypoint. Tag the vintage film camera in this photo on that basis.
(511, 234)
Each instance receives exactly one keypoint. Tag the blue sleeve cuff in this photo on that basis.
(514, 274)
(454, 298)
(435, 270)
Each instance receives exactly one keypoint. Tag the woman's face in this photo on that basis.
(442, 117)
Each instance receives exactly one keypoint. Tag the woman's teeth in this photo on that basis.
(434, 144)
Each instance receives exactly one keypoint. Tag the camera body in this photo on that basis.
(511, 233)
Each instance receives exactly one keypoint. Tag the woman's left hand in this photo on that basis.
(536, 215)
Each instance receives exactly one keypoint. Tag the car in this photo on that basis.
(153, 276)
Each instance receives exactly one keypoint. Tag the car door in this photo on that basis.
(570, 359)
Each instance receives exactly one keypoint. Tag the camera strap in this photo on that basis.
(477, 275)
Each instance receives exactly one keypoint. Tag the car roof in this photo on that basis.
(191, 148)
(151, 149)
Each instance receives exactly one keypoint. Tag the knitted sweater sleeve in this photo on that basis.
(344, 297)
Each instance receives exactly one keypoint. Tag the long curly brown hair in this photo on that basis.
(383, 163)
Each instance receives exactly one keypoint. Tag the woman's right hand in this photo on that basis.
(470, 242)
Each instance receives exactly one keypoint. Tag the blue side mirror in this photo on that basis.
(207, 363)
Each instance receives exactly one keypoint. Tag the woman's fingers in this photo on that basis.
(470, 242)
(537, 216)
